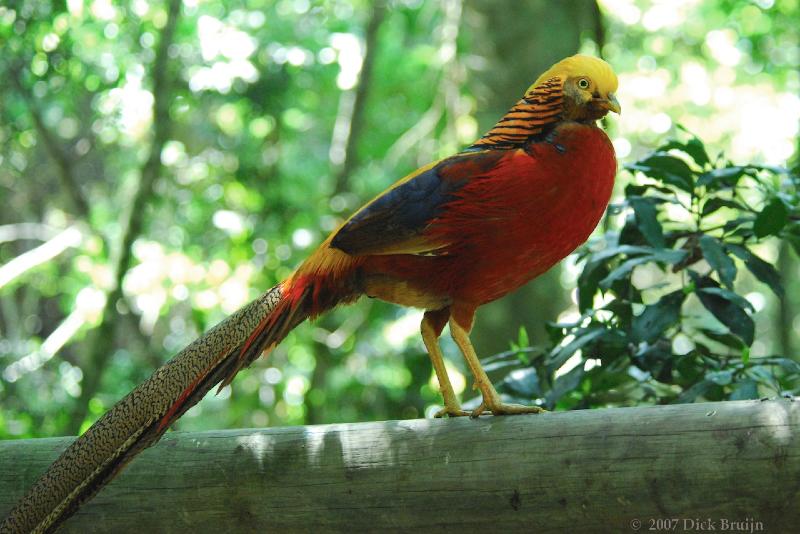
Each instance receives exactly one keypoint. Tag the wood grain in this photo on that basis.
(581, 471)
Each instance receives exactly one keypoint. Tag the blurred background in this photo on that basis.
(164, 162)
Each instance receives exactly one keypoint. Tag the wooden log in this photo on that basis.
(610, 470)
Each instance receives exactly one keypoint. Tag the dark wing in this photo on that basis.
(395, 221)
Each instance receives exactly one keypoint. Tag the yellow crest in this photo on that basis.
(578, 65)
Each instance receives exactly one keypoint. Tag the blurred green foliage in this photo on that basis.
(273, 141)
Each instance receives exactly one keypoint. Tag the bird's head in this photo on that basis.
(589, 87)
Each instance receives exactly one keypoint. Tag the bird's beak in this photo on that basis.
(611, 104)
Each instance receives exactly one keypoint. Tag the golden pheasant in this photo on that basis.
(447, 238)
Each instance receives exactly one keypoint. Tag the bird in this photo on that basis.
(448, 238)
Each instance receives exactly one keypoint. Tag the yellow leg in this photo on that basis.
(491, 400)
(452, 407)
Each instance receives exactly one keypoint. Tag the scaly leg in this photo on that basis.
(491, 399)
(430, 336)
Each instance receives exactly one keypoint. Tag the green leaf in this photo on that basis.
(698, 389)
(764, 374)
(745, 355)
(669, 169)
(744, 390)
(762, 270)
(630, 235)
(715, 255)
(728, 295)
(564, 384)
(729, 340)
(646, 218)
(713, 204)
(611, 345)
(693, 147)
(623, 270)
(623, 310)
(651, 323)
(592, 273)
(522, 338)
(724, 177)
(726, 306)
(788, 365)
(721, 378)
(555, 332)
(657, 359)
(559, 355)
(771, 219)
(663, 255)
(523, 382)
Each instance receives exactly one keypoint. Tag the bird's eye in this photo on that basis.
(583, 83)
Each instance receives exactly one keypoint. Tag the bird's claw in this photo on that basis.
(451, 412)
(502, 408)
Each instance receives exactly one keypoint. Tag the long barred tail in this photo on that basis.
(139, 419)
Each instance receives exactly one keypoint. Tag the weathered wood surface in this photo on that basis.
(581, 471)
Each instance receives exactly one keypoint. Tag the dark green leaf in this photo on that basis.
(592, 273)
(725, 177)
(771, 219)
(721, 378)
(762, 270)
(656, 318)
(610, 346)
(663, 255)
(646, 218)
(636, 190)
(744, 390)
(656, 359)
(697, 390)
(734, 224)
(564, 384)
(630, 235)
(693, 147)
(713, 204)
(715, 255)
(523, 382)
(559, 355)
(729, 340)
(622, 309)
(669, 169)
(555, 332)
(790, 366)
(725, 307)
(764, 374)
(728, 295)
(696, 149)
(623, 270)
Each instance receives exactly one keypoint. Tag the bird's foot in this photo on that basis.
(502, 408)
(453, 409)
(451, 412)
